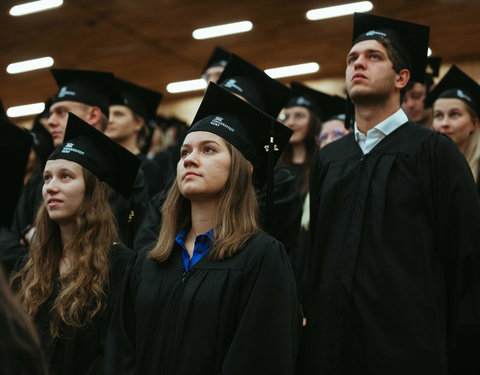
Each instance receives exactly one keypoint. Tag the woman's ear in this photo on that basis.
(250, 165)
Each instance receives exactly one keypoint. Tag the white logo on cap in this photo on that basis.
(64, 91)
(218, 121)
(302, 101)
(462, 95)
(373, 32)
(232, 83)
(69, 148)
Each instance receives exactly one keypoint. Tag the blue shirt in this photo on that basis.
(203, 243)
(380, 131)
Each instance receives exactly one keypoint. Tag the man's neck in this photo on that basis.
(368, 116)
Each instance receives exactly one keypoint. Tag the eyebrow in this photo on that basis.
(202, 143)
(370, 50)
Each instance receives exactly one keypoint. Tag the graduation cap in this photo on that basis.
(2, 110)
(15, 144)
(219, 57)
(247, 128)
(323, 105)
(106, 159)
(86, 86)
(144, 102)
(254, 85)
(456, 84)
(42, 142)
(409, 39)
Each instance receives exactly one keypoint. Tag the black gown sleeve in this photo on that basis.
(455, 208)
(265, 341)
(120, 339)
(287, 208)
(150, 228)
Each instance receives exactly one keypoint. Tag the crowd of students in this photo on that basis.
(285, 231)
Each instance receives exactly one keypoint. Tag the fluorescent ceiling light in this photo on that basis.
(429, 52)
(26, 66)
(25, 110)
(293, 70)
(220, 30)
(184, 86)
(338, 10)
(34, 6)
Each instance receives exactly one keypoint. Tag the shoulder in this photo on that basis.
(342, 148)
(120, 255)
(261, 247)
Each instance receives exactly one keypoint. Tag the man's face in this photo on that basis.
(57, 122)
(369, 74)
(213, 73)
(413, 103)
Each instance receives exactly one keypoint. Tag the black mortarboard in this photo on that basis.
(323, 105)
(42, 142)
(144, 102)
(456, 84)
(86, 86)
(106, 159)
(247, 128)
(409, 39)
(219, 57)
(254, 85)
(2, 110)
(15, 144)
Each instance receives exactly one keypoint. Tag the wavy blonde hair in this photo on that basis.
(236, 220)
(472, 154)
(82, 292)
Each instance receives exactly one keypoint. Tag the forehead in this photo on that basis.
(332, 125)
(214, 70)
(449, 103)
(196, 137)
(67, 104)
(296, 109)
(60, 164)
(418, 87)
(120, 108)
(367, 45)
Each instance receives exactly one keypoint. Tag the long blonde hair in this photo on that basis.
(472, 154)
(236, 220)
(82, 292)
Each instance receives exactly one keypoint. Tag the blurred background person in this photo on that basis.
(456, 110)
(413, 101)
(127, 125)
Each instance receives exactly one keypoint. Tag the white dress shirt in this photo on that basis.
(380, 131)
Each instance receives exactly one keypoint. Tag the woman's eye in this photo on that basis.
(46, 178)
(183, 153)
(209, 149)
(65, 176)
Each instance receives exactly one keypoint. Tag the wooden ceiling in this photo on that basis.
(150, 42)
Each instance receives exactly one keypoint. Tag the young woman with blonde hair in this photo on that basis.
(72, 273)
(456, 111)
(216, 294)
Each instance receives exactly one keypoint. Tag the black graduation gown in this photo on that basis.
(286, 212)
(395, 247)
(155, 177)
(81, 352)
(236, 316)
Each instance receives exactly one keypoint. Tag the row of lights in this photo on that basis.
(204, 33)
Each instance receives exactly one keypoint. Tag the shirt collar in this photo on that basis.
(387, 126)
